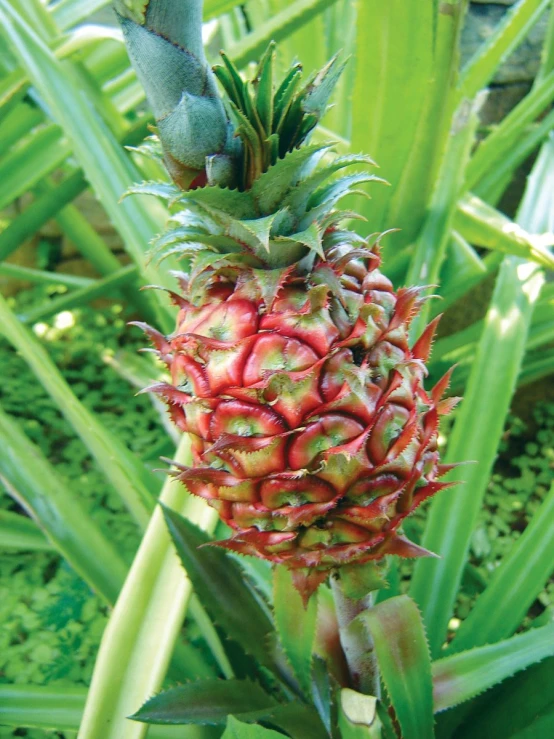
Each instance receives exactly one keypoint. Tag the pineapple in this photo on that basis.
(312, 433)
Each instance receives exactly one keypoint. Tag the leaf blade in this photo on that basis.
(403, 657)
(464, 675)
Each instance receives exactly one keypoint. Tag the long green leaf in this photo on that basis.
(39, 212)
(399, 640)
(106, 166)
(464, 675)
(126, 473)
(22, 168)
(296, 625)
(204, 702)
(483, 225)
(431, 246)
(503, 138)
(18, 123)
(509, 34)
(277, 28)
(521, 708)
(219, 583)
(21, 533)
(394, 68)
(514, 585)
(83, 295)
(31, 480)
(236, 729)
(43, 277)
(213, 8)
(61, 708)
(140, 636)
(52, 199)
(39, 707)
(495, 181)
(492, 381)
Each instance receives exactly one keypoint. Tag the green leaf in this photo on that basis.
(213, 8)
(310, 238)
(142, 632)
(68, 13)
(514, 584)
(296, 719)
(281, 25)
(462, 270)
(393, 72)
(83, 295)
(494, 372)
(219, 583)
(431, 246)
(238, 730)
(42, 707)
(269, 190)
(521, 708)
(296, 625)
(204, 702)
(21, 169)
(107, 167)
(43, 277)
(126, 473)
(52, 707)
(322, 695)
(163, 190)
(30, 479)
(399, 641)
(21, 533)
(509, 131)
(466, 674)
(483, 225)
(507, 36)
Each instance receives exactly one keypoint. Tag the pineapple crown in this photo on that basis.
(248, 187)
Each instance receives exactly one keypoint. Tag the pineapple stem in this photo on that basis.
(355, 640)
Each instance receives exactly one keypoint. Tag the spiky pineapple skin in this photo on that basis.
(313, 435)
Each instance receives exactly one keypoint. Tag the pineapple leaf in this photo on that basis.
(164, 190)
(296, 625)
(232, 202)
(402, 653)
(150, 147)
(310, 237)
(331, 193)
(239, 730)
(220, 584)
(264, 91)
(300, 196)
(285, 95)
(522, 707)
(271, 187)
(254, 233)
(322, 694)
(464, 675)
(316, 94)
(514, 585)
(204, 702)
(231, 81)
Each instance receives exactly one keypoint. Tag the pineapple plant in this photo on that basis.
(291, 368)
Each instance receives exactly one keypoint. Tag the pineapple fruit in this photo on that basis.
(312, 433)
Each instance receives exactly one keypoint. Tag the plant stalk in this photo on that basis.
(355, 639)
